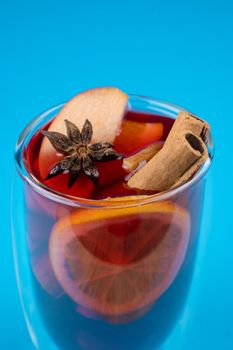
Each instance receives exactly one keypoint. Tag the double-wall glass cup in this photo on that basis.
(103, 274)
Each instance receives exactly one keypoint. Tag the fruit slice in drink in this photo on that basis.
(103, 107)
(117, 261)
(136, 135)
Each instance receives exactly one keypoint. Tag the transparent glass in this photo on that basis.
(83, 283)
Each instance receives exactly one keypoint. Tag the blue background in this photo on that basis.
(180, 51)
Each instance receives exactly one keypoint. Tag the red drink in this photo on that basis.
(111, 278)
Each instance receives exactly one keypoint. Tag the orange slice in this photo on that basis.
(117, 261)
(136, 135)
(104, 107)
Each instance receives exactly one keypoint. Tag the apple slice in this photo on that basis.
(103, 107)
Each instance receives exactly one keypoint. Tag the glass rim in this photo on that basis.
(119, 202)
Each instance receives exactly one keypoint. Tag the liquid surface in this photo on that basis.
(138, 131)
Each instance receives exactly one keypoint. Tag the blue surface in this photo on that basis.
(180, 51)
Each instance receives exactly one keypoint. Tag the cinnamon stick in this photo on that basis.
(188, 121)
(183, 153)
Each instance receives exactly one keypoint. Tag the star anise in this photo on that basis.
(80, 155)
